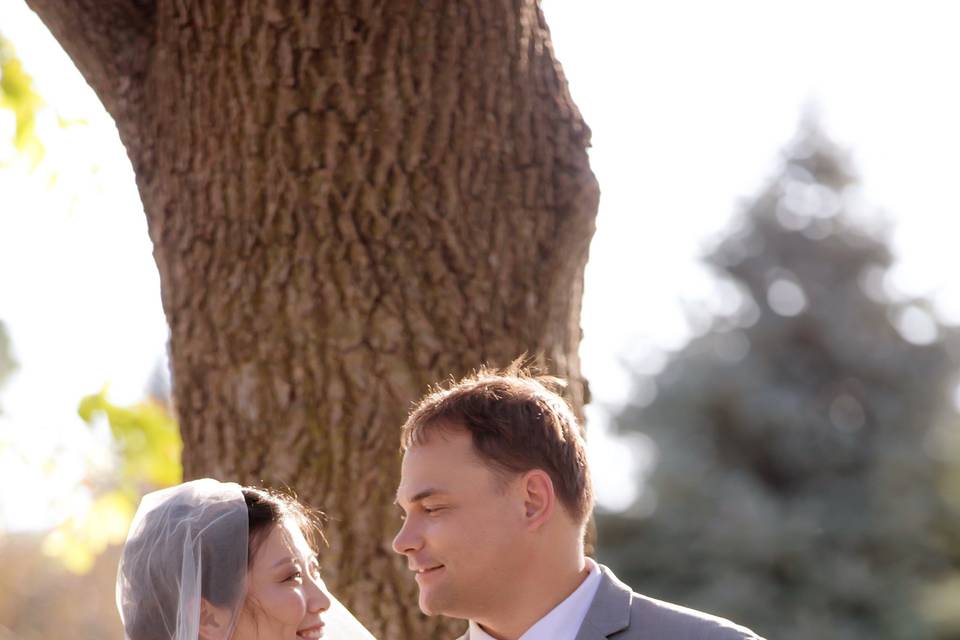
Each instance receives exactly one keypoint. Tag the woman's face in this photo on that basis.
(285, 594)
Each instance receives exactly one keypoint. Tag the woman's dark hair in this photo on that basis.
(268, 507)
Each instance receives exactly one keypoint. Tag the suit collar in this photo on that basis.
(610, 610)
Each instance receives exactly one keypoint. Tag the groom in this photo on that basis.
(496, 494)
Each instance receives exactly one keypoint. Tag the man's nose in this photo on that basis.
(408, 539)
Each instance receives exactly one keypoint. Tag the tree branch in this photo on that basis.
(110, 42)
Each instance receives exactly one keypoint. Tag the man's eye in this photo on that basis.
(432, 509)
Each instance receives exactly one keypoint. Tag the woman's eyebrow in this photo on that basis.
(282, 561)
(293, 560)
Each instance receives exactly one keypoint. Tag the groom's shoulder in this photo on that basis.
(654, 619)
(678, 621)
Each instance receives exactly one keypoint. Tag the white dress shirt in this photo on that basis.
(563, 622)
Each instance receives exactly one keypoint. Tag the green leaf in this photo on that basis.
(18, 95)
(146, 437)
(147, 444)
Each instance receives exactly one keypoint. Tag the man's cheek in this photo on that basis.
(450, 532)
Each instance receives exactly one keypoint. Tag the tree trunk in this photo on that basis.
(348, 201)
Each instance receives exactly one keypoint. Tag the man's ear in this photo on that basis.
(539, 498)
(213, 626)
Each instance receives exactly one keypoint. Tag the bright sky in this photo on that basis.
(690, 103)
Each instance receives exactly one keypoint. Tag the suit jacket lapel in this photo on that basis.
(610, 610)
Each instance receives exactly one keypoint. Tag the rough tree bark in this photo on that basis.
(348, 200)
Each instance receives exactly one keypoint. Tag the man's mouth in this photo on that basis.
(427, 571)
(311, 633)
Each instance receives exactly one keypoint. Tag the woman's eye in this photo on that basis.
(298, 575)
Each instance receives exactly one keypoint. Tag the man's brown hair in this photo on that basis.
(518, 422)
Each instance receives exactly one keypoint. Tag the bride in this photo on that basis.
(209, 560)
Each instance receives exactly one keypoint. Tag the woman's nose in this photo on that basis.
(318, 600)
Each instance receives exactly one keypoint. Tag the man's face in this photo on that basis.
(463, 528)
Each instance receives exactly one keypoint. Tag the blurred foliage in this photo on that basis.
(7, 361)
(17, 94)
(145, 437)
(43, 600)
(798, 482)
(942, 598)
(147, 445)
(78, 541)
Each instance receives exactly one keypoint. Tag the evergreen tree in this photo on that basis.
(796, 488)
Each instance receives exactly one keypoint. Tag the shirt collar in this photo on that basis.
(564, 620)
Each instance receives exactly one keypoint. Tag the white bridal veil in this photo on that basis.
(187, 540)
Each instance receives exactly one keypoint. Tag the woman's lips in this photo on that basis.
(311, 633)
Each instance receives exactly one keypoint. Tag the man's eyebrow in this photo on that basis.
(422, 495)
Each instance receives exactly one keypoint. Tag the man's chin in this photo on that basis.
(429, 606)
(427, 610)
(436, 602)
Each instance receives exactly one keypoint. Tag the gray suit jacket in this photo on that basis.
(618, 613)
